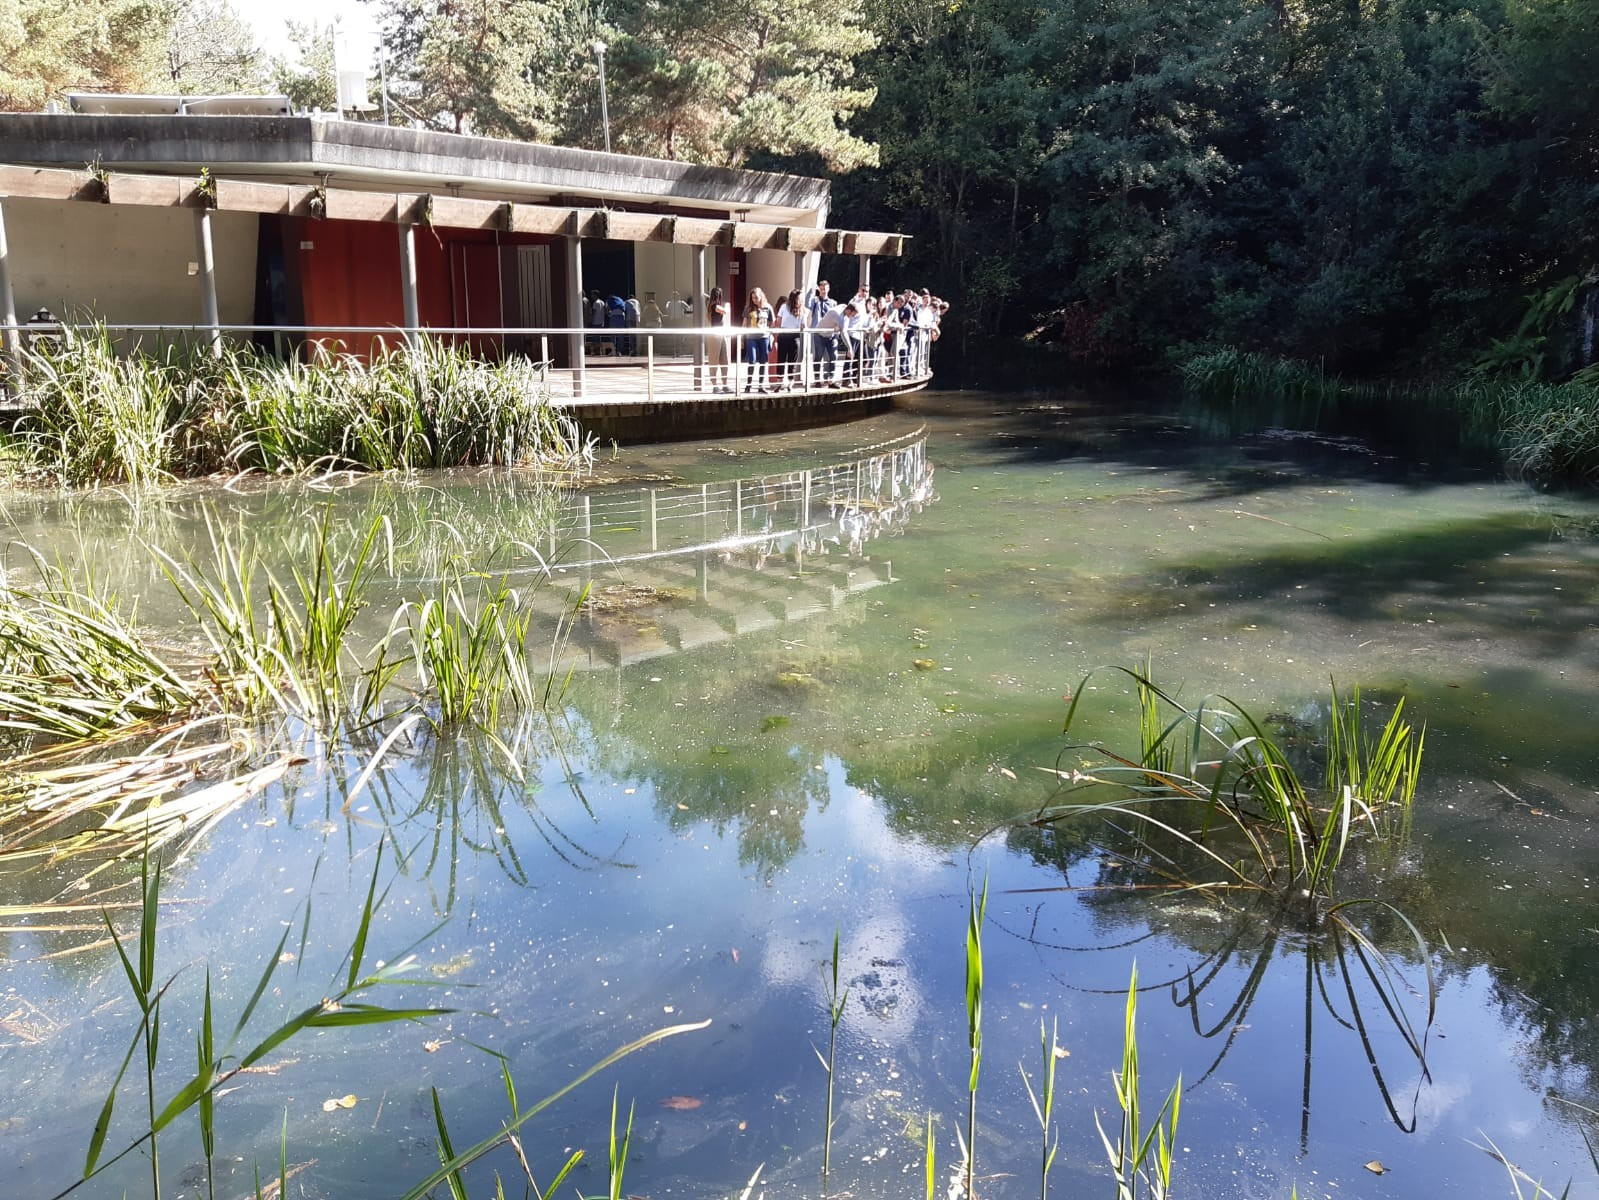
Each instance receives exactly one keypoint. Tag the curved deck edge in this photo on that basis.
(683, 418)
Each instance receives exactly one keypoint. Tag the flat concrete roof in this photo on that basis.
(356, 154)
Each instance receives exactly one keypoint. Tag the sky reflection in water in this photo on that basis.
(751, 758)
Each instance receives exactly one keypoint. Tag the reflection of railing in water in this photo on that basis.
(845, 504)
(670, 569)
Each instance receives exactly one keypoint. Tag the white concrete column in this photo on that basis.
(866, 271)
(205, 255)
(574, 310)
(413, 319)
(702, 316)
(12, 341)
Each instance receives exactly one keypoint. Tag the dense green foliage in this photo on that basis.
(1546, 433)
(1359, 182)
(1384, 185)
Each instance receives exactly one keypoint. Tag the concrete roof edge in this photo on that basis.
(71, 139)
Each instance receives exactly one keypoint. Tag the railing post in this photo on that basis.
(807, 355)
(738, 365)
(649, 367)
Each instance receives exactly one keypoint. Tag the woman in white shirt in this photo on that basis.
(792, 320)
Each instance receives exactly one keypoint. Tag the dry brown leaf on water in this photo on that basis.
(682, 1103)
(349, 1101)
(431, 1047)
(1376, 1167)
(735, 956)
(1007, 773)
(1062, 1052)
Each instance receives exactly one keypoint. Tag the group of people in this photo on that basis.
(613, 313)
(864, 339)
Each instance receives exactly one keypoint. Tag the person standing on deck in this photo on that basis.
(792, 319)
(758, 319)
(824, 339)
(721, 343)
(634, 317)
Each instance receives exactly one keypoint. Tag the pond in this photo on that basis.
(762, 737)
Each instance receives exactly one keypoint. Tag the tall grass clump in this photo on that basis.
(94, 416)
(97, 416)
(73, 665)
(1233, 776)
(287, 643)
(470, 649)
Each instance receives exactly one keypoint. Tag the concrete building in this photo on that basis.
(227, 213)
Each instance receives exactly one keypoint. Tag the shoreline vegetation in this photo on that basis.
(95, 416)
(1544, 433)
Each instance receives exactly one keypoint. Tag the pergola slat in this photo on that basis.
(349, 204)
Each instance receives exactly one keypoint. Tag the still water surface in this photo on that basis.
(770, 736)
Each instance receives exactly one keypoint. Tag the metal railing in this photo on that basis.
(621, 365)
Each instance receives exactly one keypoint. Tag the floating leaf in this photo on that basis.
(923, 664)
(1007, 773)
(431, 1047)
(770, 723)
(1376, 1167)
(682, 1103)
(349, 1101)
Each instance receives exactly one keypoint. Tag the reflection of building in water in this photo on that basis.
(668, 569)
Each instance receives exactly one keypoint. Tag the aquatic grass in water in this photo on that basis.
(344, 1007)
(1297, 840)
(1545, 433)
(836, 1000)
(73, 665)
(1043, 1102)
(976, 910)
(471, 654)
(288, 645)
(1140, 1157)
(95, 416)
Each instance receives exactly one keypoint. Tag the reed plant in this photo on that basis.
(1546, 433)
(345, 1006)
(1141, 1156)
(976, 910)
(97, 415)
(1043, 1102)
(289, 644)
(470, 649)
(73, 663)
(836, 999)
(1238, 777)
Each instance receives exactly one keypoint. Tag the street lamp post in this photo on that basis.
(605, 114)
